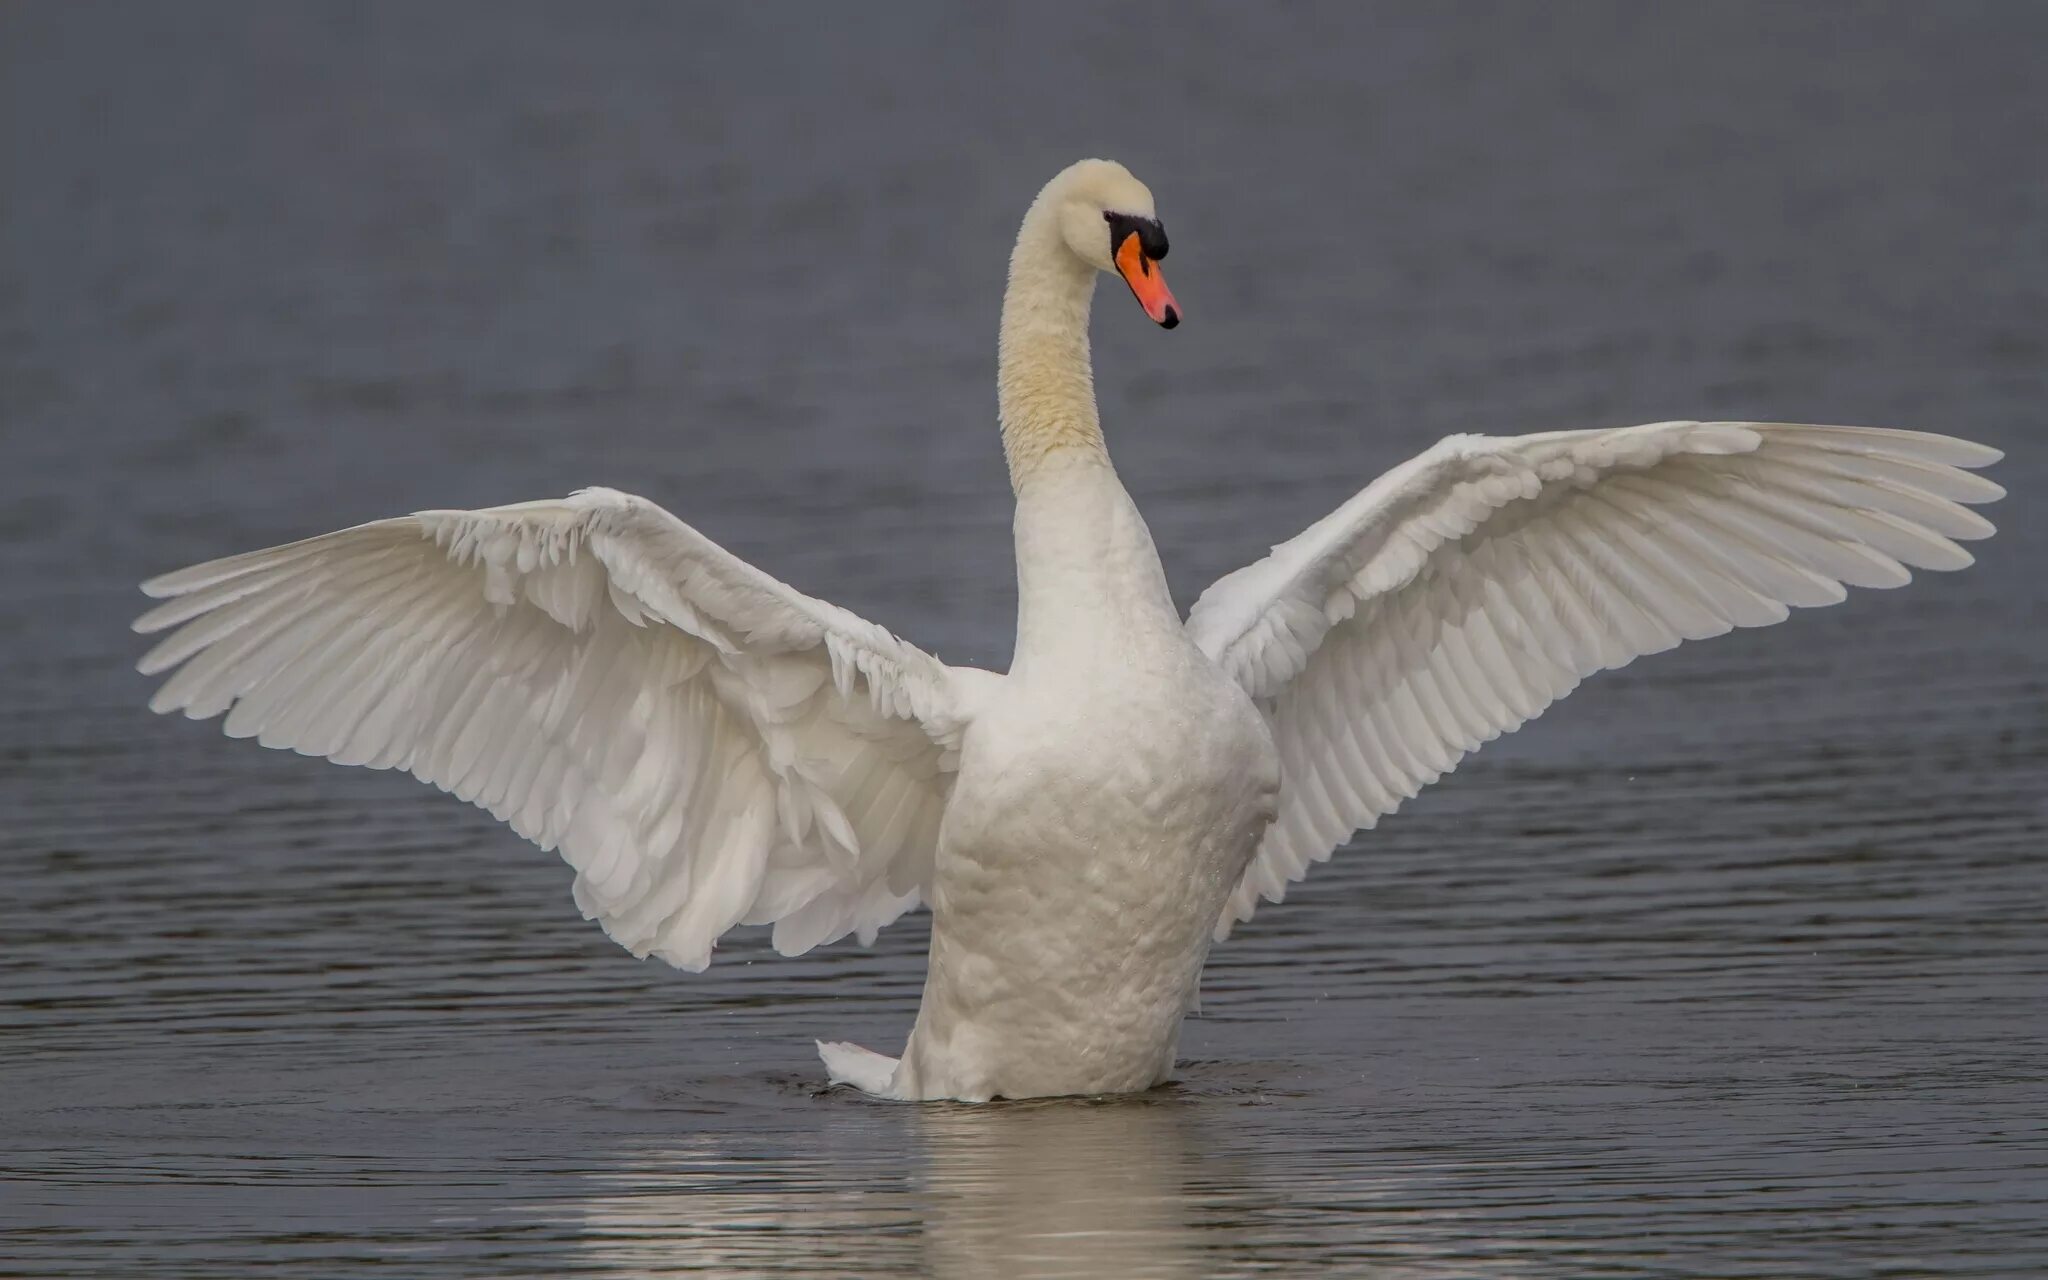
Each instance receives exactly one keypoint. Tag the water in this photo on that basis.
(1734, 963)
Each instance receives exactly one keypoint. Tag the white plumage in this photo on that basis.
(708, 747)
(1468, 589)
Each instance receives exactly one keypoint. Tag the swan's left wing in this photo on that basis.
(705, 745)
(1463, 592)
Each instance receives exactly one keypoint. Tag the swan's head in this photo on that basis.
(1107, 219)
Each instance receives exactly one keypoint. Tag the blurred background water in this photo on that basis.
(1733, 964)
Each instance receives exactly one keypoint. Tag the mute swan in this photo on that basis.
(708, 747)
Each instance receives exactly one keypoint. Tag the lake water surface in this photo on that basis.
(1736, 963)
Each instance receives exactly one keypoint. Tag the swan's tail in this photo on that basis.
(864, 1069)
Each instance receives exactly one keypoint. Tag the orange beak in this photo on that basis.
(1147, 282)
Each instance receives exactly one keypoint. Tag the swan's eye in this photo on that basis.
(1151, 236)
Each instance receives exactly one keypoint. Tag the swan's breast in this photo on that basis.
(1149, 766)
(1098, 822)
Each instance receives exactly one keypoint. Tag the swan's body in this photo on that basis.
(709, 747)
(1110, 792)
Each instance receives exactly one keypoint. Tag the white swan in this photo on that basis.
(708, 747)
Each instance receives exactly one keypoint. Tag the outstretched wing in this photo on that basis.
(1465, 591)
(705, 745)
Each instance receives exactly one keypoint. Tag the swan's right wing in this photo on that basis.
(705, 745)
(1466, 590)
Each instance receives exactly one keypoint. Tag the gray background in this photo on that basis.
(1733, 964)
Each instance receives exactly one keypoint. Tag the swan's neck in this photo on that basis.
(1089, 585)
(1045, 383)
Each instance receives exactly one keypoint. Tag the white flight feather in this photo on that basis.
(1457, 596)
(704, 744)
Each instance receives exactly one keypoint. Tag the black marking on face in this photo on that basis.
(1151, 236)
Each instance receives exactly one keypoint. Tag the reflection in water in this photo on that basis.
(1189, 1181)
(1060, 1188)
(1048, 1188)
(686, 1211)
